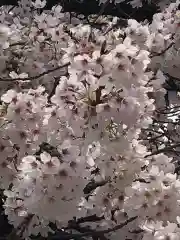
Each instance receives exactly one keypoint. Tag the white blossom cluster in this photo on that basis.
(74, 100)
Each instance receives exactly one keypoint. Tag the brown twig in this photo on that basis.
(166, 149)
(67, 236)
(34, 77)
(93, 185)
(101, 10)
(161, 53)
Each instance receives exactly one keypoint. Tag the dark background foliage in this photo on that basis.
(88, 7)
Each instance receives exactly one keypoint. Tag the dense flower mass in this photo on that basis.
(79, 110)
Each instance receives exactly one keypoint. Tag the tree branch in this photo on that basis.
(91, 218)
(93, 185)
(161, 53)
(166, 149)
(67, 236)
(34, 77)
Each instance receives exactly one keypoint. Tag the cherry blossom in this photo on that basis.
(79, 110)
